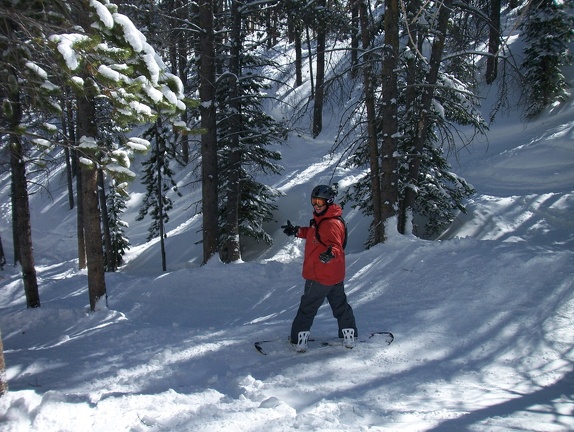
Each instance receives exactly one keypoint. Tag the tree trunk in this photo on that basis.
(209, 175)
(294, 33)
(91, 213)
(20, 203)
(415, 45)
(310, 52)
(109, 255)
(2, 256)
(378, 229)
(69, 178)
(160, 149)
(298, 59)
(66, 118)
(355, 37)
(182, 49)
(21, 208)
(15, 241)
(80, 215)
(320, 80)
(231, 248)
(3, 381)
(390, 123)
(426, 103)
(493, 42)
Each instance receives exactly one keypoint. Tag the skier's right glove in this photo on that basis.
(290, 229)
(327, 256)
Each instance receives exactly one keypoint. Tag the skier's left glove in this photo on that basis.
(327, 256)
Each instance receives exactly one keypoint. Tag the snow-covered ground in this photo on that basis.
(483, 319)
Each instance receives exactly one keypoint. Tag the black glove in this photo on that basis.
(290, 229)
(327, 256)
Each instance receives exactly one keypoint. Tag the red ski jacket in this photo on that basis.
(332, 233)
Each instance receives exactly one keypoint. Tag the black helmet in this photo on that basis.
(323, 191)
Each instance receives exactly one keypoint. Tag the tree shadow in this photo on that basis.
(547, 396)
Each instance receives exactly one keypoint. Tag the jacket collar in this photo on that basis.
(333, 210)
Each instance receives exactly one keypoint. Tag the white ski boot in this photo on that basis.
(348, 338)
(302, 339)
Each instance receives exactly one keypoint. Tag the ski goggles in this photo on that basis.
(318, 202)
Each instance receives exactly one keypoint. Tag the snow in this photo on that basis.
(141, 108)
(103, 13)
(138, 144)
(118, 169)
(483, 318)
(37, 69)
(88, 143)
(111, 74)
(132, 35)
(65, 47)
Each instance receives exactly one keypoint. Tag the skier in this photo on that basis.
(323, 269)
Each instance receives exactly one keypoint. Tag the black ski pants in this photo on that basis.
(313, 297)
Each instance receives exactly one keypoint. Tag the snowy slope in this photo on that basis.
(483, 319)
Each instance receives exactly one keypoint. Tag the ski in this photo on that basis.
(386, 337)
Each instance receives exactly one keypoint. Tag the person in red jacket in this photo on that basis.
(323, 269)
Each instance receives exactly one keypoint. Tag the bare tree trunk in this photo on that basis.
(209, 175)
(355, 36)
(411, 93)
(160, 149)
(231, 248)
(310, 52)
(15, 242)
(20, 203)
(320, 81)
(182, 48)
(91, 213)
(390, 123)
(3, 380)
(378, 229)
(82, 261)
(298, 60)
(294, 32)
(69, 178)
(68, 140)
(109, 255)
(21, 207)
(493, 42)
(2, 256)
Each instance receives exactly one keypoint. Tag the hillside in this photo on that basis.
(482, 318)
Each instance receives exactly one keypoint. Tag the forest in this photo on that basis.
(89, 84)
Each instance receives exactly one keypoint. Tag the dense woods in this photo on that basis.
(78, 76)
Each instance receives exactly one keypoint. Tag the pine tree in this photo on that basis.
(245, 132)
(24, 86)
(158, 178)
(120, 244)
(431, 101)
(548, 33)
(107, 57)
(206, 68)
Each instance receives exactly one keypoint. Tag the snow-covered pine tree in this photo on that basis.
(104, 56)
(548, 33)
